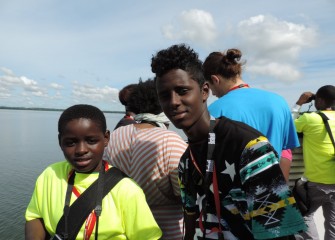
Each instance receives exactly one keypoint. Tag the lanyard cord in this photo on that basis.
(243, 85)
(98, 208)
(210, 175)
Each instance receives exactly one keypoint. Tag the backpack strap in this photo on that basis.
(325, 121)
(86, 202)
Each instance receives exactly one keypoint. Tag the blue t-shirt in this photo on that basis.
(265, 111)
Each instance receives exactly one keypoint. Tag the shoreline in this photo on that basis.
(49, 109)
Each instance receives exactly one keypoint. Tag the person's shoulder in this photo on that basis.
(330, 114)
(309, 116)
(127, 187)
(220, 106)
(166, 134)
(122, 129)
(124, 122)
(315, 117)
(59, 170)
(59, 166)
(226, 125)
(267, 93)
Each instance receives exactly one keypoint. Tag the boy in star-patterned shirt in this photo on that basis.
(231, 184)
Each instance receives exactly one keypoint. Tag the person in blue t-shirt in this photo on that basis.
(267, 112)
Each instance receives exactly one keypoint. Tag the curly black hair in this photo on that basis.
(178, 57)
(82, 111)
(144, 98)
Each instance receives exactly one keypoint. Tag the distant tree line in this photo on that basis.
(47, 109)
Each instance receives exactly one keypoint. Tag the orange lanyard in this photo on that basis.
(92, 217)
(238, 86)
(216, 198)
(210, 170)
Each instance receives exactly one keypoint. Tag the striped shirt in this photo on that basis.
(151, 157)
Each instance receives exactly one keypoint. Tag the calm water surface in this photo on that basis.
(28, 144)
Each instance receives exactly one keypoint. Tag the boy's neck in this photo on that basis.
(198, 132)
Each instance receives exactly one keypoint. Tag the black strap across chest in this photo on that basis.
(75, 215)
(325, 121)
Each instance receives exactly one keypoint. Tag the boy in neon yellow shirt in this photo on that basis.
(319, 158)
(125, 213)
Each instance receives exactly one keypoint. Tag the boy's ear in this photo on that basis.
(205, 91)
(107, 137)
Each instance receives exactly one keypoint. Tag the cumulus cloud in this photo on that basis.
(56, 86)
(7, 71)
(273, 45)
(194, 25)
(9, 82)
(88, 93)
(30, 91)
(277, 70)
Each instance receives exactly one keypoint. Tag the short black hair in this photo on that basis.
(327, 93)
(144, 98)
(82, 111)
(178, 57)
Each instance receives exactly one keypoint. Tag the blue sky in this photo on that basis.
(59, 53)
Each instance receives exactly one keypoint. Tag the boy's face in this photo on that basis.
(181, 98)
(82, 142)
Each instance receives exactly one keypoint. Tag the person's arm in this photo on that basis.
(35, 230)
(305, 97)
(262, 178)
(285, 163)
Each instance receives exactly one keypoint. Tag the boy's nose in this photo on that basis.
(81, 148)
(175, 99)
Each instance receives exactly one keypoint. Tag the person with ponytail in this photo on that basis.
(263, 110)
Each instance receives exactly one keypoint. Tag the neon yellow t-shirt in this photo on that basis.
(318, 150)
(125, 213)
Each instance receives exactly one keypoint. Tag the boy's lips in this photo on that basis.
(178, 115)
(82, 161)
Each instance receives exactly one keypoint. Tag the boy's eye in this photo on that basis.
(182, 91)
(92, 141)
(69, 143)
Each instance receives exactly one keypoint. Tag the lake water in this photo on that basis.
(28, 144)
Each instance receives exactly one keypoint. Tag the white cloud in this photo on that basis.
(277, 70)
(274, 46)
(7, 71)
(3, 94)
(30, 92)
(273, 38)
(10, 82)
(56, 86)
(29, 83)
(87, 93)
(194, 25)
